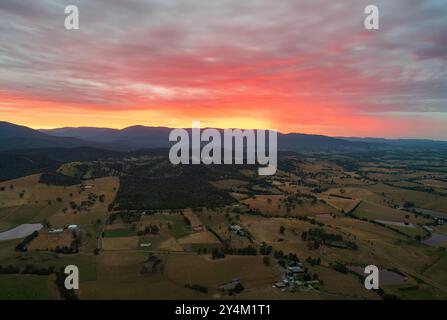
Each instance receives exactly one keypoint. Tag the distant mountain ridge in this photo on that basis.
(15, 137)
(134, 137)
(156, 137)
(411, 143)
(20, 137)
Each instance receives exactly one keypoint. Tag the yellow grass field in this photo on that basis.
(343, 205)
(376, 212)
(47, 241)
(273, 205)
(434, 183)
(203, 237)
(420, 199)
(11, 197)
(42, 201)
(118, 276)
(170, 245)
(202, 270)
(356, 194)
(122, 243)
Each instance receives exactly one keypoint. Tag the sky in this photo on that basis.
(295, 66)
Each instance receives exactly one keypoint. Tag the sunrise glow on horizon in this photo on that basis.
(294, 66)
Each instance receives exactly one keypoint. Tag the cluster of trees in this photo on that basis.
(197, 287)
(86, 204)
(280, 255)
(286, 260)
(310, 220)
(265, 249)
(73, 248)
(9, 270)
(14, 165)
(320, 233)
(22, 246)
(339, 267)
(111, 218)
(238, 288)
(152, 265)
(215, 234)
(74, 206)
(57, 179)
(291, 201)
(183, 191)
(313, 261)
(91, 200)
(318, 236)
(319, 189)
(204, 250)
(248, 251)
(187, 221)
(129, 216)
(217, 254)
(150, 229)
(29, 269)
(347, 164)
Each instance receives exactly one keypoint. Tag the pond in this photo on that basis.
(20, 231)
(436, 238)
(386, 277)
(396, 223)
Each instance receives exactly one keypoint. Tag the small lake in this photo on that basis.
(386, 277)
(436, 238)
(395, 223)
(20, 231)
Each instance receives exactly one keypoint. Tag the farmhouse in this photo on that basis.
(296, 269)
(56, 231)
(198, 228)
(279, 285)
(238, 230)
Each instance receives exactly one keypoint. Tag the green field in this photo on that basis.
(27, 287)
(117, 233)
(178, 229)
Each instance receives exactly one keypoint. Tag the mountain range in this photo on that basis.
(16, 137)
